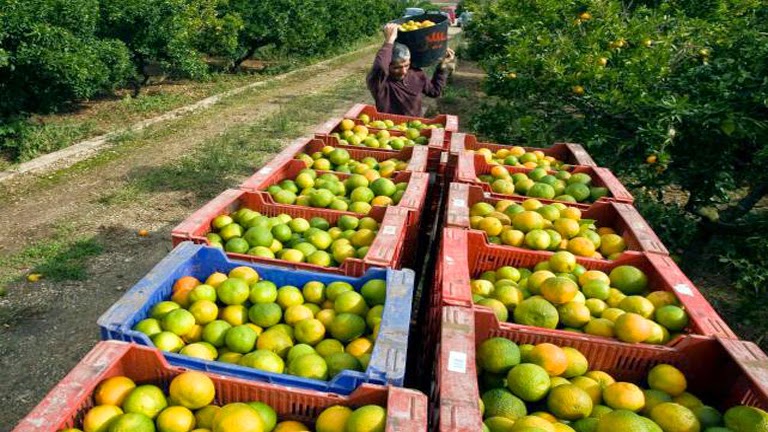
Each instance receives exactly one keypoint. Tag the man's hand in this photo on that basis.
(390, 32)
(450, 55)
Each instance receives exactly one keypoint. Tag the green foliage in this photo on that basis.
(634, 83)
(748, 262)
(309, 27)
(161, 33)
(52, 55)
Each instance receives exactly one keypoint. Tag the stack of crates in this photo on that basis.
(423, 364)
(721, 369)
(393, 255)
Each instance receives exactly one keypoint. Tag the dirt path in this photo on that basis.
(46, 327)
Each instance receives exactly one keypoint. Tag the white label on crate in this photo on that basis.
(388, 230)
(684, 289)
(449, 260)
(457, 362)
(639, 226)
(458, 202)
(266, 170)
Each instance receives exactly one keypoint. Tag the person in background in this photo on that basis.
(396, 87)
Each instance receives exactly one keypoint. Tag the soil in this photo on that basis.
(46, 327)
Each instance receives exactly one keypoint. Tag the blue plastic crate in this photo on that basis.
(387, 365)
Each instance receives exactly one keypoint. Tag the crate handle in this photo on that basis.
(752, 360)
(437, 139)
(458, 140)
(645, 235)
(465, 170)
(451, 123)
(391, 349)
(201, 217)
(416, 192)
(459, 409)
(580, 154)
(454, 257)
(458, 205)
(405, 410)
(387, 245)
(419, 159)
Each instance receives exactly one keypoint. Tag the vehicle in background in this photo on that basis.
(412, 11)
(450, 12)
(464, 18)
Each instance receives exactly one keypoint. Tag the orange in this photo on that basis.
(98, 418)
(600, 327)
(577, 363)
(592, 387)
(333, 419)
(594, 275)
(215, 279)
(569, 402)
(536, 279)
(237, 417)
(185, 283)
(192, 390)
(574, 314)
(551, 357)
(527, 221)
(181, 296)
(637, 304)
(248, 274)
(175, 419)
(612, 314)
(611, 244)
(624, 395)
(112, 391)
(674, 417)
(491, 225)
(290, 426)
(145, 399)
(633, 328)
(668, 379)
(662, 298)
(559, 290)
(601, 377)
(204, 416)
(581, 246)
(368, 418)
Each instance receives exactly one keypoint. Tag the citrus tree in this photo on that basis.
(672, 95)
(50, 54)
(163, 33)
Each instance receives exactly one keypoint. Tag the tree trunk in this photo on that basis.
(745, 205)
(243, 58)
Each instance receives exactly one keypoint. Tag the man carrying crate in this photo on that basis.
(398, 89)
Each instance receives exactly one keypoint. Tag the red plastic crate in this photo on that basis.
(469, 168)
(465, 255)
(412, 200)
(439, 139)
(385, 251)
(450, 122)
(570, 153)
(66, 404)
(722, 372)
(622, 217)
(416, 156)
